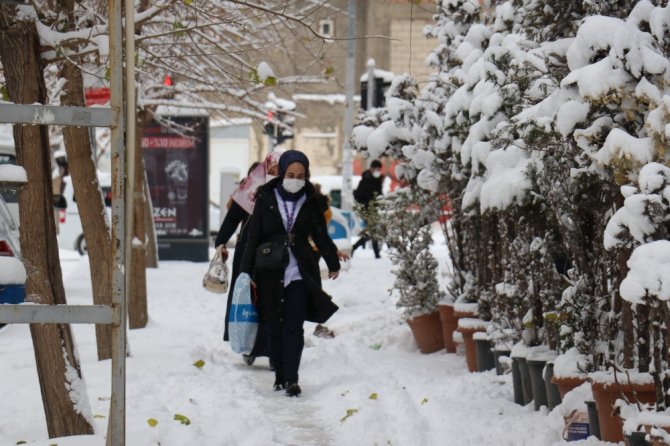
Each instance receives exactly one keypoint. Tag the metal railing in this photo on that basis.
(122, 158)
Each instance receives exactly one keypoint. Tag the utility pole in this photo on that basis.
(347, 166)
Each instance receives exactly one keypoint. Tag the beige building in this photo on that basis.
(388, 31)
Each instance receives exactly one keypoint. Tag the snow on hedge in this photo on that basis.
(649, 274)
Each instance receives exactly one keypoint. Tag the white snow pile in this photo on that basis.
(367, 385)
(12, 271)
(265, 71)
(12, 174)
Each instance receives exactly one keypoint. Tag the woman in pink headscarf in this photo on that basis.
(240, 208)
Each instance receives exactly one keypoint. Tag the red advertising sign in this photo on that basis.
(96, 96)
(175, 153)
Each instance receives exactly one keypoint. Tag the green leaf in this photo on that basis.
(253, 76)
(188, 2)
(424, 401)
(329, 71)
(97, 415)
(21, 442)
(199, 363)
(373, 396)
(376, 346)
(350, 412)
(4, 94)
(153, 422)
(270, 81)
(177, 25)
(183, 419)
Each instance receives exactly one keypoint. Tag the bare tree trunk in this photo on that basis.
(91, 206)
(55, 351)
(138, 314)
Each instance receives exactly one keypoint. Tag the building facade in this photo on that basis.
(388, 31)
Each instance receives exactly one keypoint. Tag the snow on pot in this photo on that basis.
(568, 371)
(483, 351)
(608, 388)
(465, 310)
(468, 327)
(427, 331)
(449, 325)
(646, 422)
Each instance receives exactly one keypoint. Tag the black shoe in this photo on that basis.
(280, 383)
(293, 390)
(248, 359)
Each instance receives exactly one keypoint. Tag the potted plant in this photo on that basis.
(402, 220)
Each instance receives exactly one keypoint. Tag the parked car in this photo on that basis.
(70, 232)
(12, 271)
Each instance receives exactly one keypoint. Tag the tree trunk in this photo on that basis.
(138, 315)
(58, 366)
(91, 206)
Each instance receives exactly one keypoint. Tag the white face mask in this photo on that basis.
(376, 173)
(293, 185)
(269, 178)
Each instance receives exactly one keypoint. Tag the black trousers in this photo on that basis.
(286, 337)
(363, 240)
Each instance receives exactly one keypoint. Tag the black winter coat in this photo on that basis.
(265, 224)
(368, 188)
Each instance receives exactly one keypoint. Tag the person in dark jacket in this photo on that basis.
(289, 293)
(235, 216)
(369, 187)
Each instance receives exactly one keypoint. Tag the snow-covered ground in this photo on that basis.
(367, 386)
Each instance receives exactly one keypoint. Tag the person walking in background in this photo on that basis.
(278, 258)
(240, 207)
(369, 188)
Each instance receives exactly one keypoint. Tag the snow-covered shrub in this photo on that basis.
(402, 219)
(643, 224)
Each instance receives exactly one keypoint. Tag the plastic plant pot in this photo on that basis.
(497, 354)
(485, 360)
(594, 425)
(516, 382)
(525, 381)
(553, 395)
(535, 369)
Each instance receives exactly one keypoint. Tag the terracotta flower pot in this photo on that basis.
(470, 348)
(606, 394)
(427, 330)
(566, 383)
(449, 324)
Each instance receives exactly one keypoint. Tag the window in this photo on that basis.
(326, 28)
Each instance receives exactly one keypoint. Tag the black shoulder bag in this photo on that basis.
(272, 255)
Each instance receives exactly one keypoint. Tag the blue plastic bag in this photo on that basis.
(243, 317)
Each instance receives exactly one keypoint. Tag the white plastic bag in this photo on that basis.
(242, 317)
(216, 277)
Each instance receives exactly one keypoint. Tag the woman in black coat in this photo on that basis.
(289, 292)
(235, 216)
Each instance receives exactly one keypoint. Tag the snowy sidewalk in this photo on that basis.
(367, 386)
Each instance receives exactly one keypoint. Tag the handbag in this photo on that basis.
(216, 277)
(242, 317)
(271, 256)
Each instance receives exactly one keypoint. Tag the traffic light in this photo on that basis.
(280, 128)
